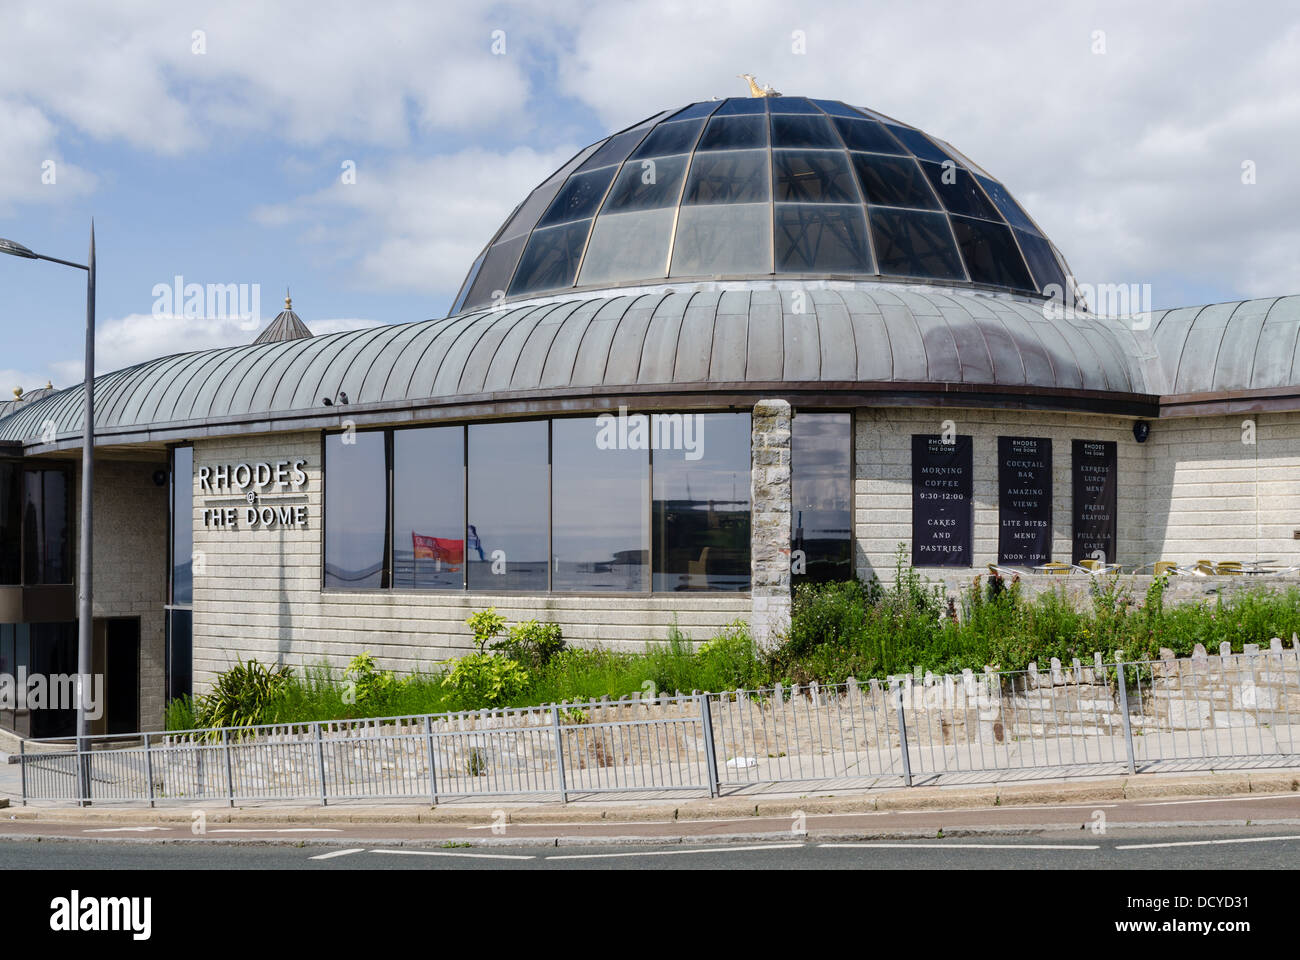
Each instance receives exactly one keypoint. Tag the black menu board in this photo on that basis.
(1024, 500)
(941, 502)
(1095, 482)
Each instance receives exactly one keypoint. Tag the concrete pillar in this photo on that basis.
(770, 530)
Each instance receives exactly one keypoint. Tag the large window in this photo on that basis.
(700, 502)
(429, 508)
(506, 535)
(356, 503)
(600, 537)
(567, 505)
(11, 512)
(47, 536)
(821, 492)
(179, 653)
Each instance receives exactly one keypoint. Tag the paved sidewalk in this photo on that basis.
(602, 807)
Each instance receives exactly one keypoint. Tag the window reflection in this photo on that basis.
(722, 239)
(182, 522)
(551, 259)
(47, 537)
(505, 542)
(821, 490)
(738, 176)
(356, 503)
(990, 253)
(812, 176)
(915, 244)
(600, 535)
(429, 508)
(893, 181)
(628, 246)
(11, 508)
(821, 237)
(701, 508)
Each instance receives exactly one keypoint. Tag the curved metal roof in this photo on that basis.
(851, 335)
(1242, 345)
(765, 186)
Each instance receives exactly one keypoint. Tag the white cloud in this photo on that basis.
(417, 224)
(141, 336)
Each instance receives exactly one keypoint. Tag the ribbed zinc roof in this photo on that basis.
(1243, 345)
(701, 337)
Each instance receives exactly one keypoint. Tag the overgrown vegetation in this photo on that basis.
(837, 630)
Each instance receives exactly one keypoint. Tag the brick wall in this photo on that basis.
(257, 593)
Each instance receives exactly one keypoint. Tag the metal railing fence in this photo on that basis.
(1069, 720)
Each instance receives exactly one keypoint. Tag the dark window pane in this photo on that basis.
(829, 238)
(959, 192)
(11, 511)
(742, 105)
(867, 135)
(734, 133)
(179, 656)
(669, 138)
(723, 240)
(494, 276)
(1010, 209)
(628, 246)
(915, 244)
(600, 482)
(505, 545)
(182, 523)
(52, 650)
(700, 516)
(616, 148)
(893, 181)
(1042, 262)
(990, 253)
(645, 184)
(551, 259)
(47, 536)
(790, 105)
(579, 198)
(918, 143)
(695, 110)
(356, 506)
(738, 176)
(813, 176)
(797, 131)
(837, 109)
(821, 491)
(469, 282)
(429, 508)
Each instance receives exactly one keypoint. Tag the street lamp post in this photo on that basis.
(85, 623)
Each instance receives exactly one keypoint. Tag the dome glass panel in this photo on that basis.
(757, 187)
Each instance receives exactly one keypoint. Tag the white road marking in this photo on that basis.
(1199, 843)
(673, 853)
(124, 829)
(336, 853)
(275, 830)
(1173, 803)
(448, 853)
(963, 846)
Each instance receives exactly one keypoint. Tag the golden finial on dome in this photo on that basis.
(18, 393)
(755, 90)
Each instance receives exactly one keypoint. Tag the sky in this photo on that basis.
(363, 154)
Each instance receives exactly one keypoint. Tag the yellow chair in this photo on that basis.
(1055, 569)
(1228, 568)
(1204, 566)
(1165, 566)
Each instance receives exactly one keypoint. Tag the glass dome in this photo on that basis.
(753, 187)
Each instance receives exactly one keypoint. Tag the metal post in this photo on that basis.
(148, 767)
(433, 773)
(22, 767)
(1123, 712)
(320, 762)
(230, 779)
(85, 611)
(559, 754)
(902, 740)
(710, 754)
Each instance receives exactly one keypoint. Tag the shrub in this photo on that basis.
(487, 626)
(531, 643)
(367, 686)
(179, 714)
(242, 695)
(484, 680)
